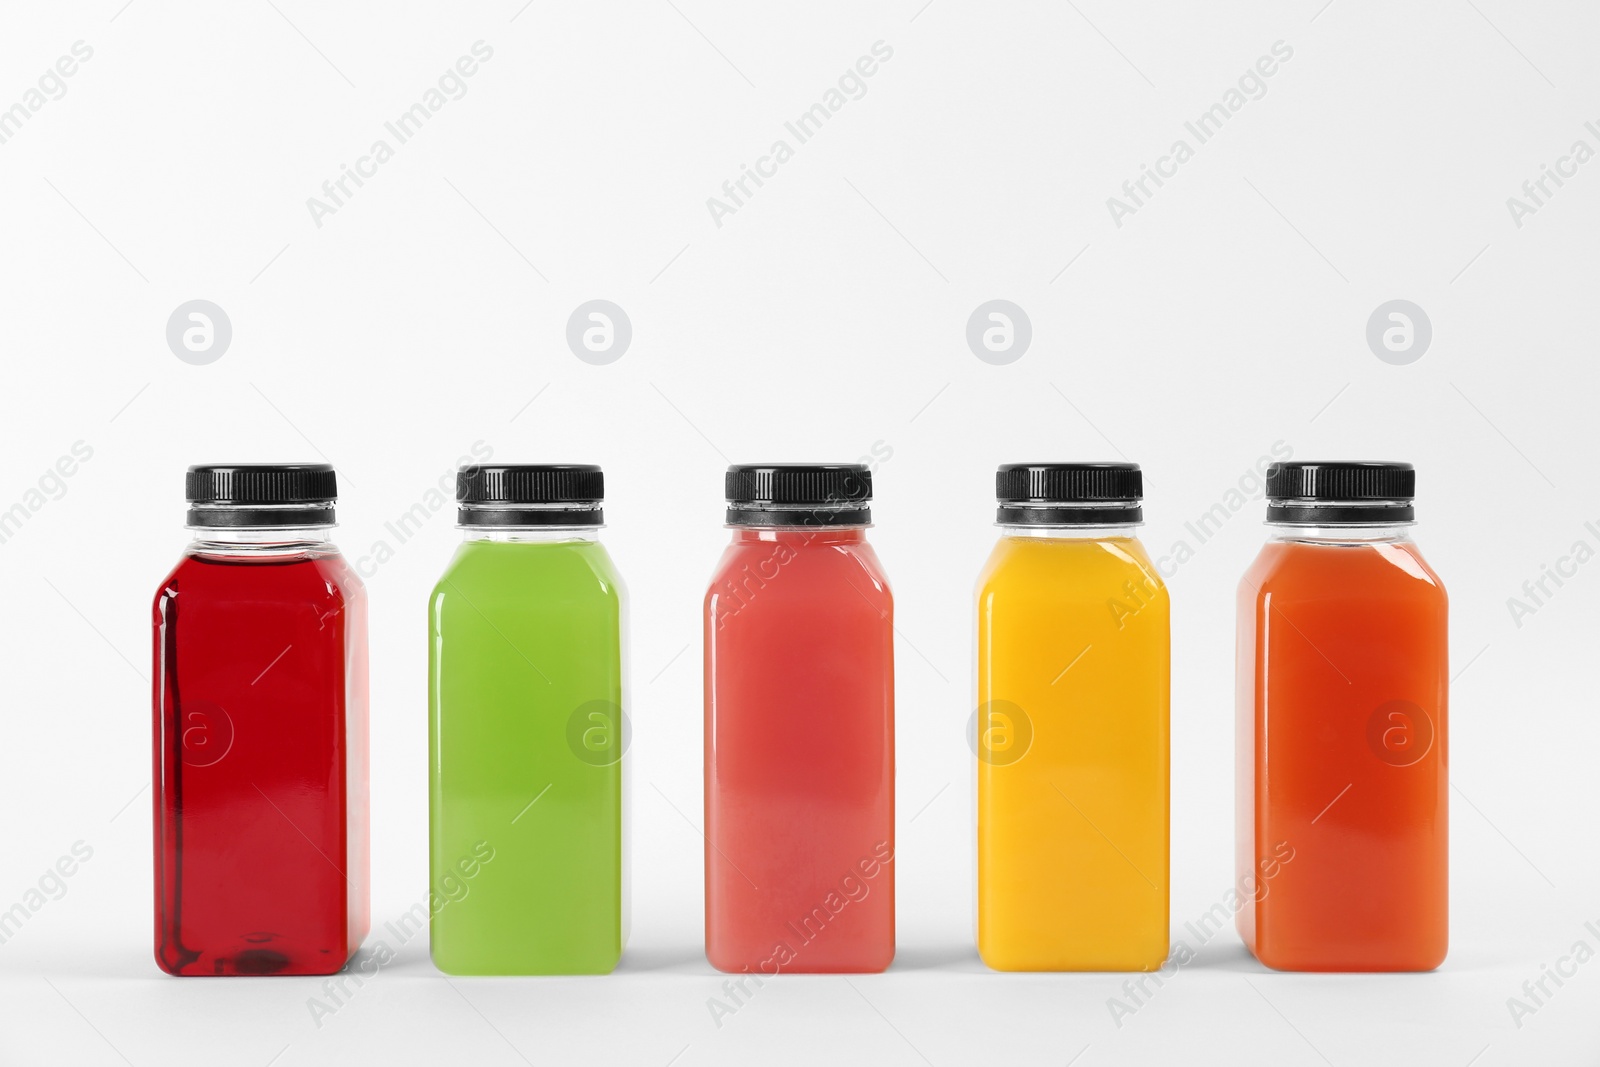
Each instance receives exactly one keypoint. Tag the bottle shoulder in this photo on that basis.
(562, 569)
(1341, 570)
(320, 574)
(819, 557)
(1030, 566)
(799, 570)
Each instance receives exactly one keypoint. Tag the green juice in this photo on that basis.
(525, 742)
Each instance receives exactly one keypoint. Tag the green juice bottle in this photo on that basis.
(526, 731)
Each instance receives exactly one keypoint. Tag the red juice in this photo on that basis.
(260, 757)
(799, 730)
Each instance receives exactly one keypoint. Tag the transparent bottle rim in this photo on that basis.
(1335, 524)
(799, 527)
(545, 530)
(1347, 533)
(1024, 527)
(240, 540)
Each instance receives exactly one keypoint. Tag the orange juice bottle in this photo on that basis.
(1343, 679)
(1071, 729)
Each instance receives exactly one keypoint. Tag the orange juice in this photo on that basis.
(1072, 728)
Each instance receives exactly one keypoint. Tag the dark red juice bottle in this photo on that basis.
(260, 694)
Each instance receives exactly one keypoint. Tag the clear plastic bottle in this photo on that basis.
(260, 726)
(799, 728)
(1071, 727)
(526, 730)
(1343, 687)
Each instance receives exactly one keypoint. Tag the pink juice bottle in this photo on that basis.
(799, 728)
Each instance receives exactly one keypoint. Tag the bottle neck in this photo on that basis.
(530, 535)
(1100, 532)
(799, 535)
(1389, 533)
(260, 540)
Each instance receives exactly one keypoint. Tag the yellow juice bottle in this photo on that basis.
(1071, 727)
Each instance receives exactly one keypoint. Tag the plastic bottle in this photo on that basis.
(1071, 728)
(260, 717)
(526, 689)
(1343, 682)
(799, 728)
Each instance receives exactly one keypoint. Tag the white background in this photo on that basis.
(824, 316)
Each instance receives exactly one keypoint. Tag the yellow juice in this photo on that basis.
(1072, 741)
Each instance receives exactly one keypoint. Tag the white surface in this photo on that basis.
(827, 314)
